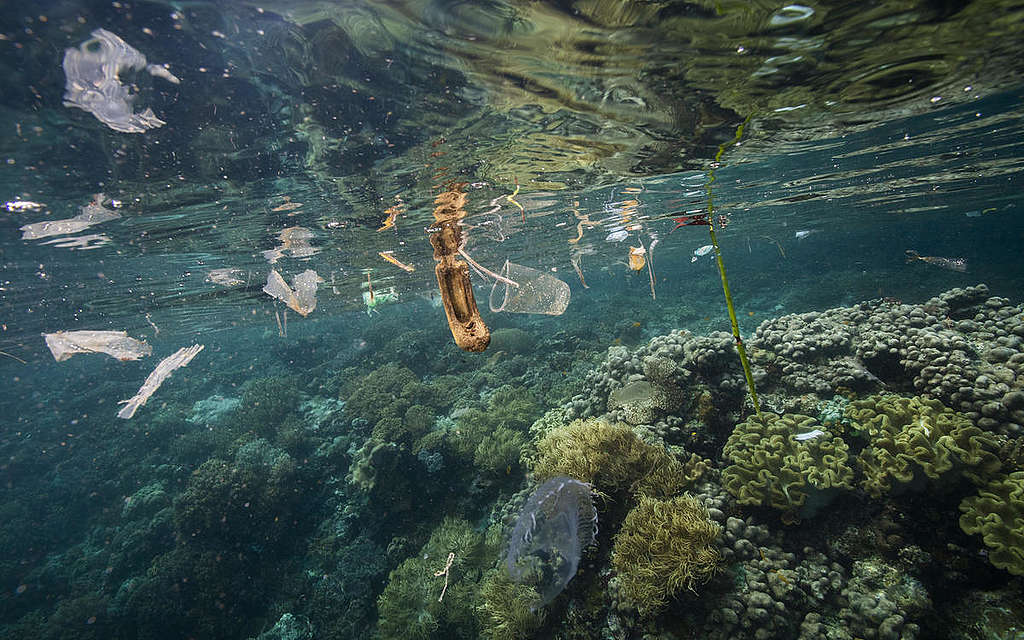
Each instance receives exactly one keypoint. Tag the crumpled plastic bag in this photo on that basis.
(92, 82)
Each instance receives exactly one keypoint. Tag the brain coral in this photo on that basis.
(997, 514)
(788, 462)
(916, 438)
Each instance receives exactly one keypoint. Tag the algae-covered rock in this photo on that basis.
(788, 462)
(663, 548)
(640, 402)
(997, 515)
(915, 438)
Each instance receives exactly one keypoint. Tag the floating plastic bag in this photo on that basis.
(302, 297)
(176, 360)
(537, 292)
(93, 82)
(116, 344)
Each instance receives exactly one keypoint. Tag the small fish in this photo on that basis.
(690, 220)
(800, 235)
(810, 435)
(953, 264)
(703, 251)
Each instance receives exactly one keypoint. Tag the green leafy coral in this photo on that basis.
(612, 458)
(997, 515)
(664, 547)
(915, 438)
(770, 466)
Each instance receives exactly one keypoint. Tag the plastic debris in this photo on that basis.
(226, 277)
(93, 83)
(91, 214)
(390, 257)
(637, 261)
(20, 206)
(464, 320)
(301, 297)
(554, 527)
(176, 360)
(530, 291)
(116, 344)
(617, 236)
(294, 240)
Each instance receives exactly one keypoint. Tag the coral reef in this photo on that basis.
(508, 610)
(911, 439)
(411, 605)
(997, 515)
(787, 462)
(962, 347)
(612, 458)
(663, 548)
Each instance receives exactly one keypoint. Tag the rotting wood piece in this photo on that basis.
(464, 320)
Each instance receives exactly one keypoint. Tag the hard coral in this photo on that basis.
(771, 466)
(639, 402)
(664, 547)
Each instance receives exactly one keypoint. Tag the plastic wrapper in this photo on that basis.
(301, 296)
(91, 214)
(116, 344)
(176, 360)
(93, 82)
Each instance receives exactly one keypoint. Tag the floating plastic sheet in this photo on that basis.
(534, 292)
(91, 214)
(294, 240)
(176, 360)
(301, 297)
(93, 82)
(226, 277)
(115, 344)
